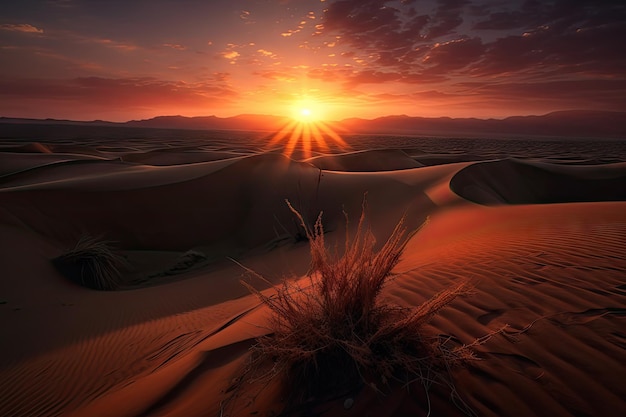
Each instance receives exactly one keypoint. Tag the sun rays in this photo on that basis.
(307, 131)
(308, 134)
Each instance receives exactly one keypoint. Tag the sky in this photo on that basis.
(133, 59)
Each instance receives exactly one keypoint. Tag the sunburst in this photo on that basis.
(307, 130)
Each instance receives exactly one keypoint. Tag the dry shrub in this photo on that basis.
(333, 333)
(92, 263)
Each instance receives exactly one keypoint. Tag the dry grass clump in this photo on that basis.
(92, 263)
(333, 333)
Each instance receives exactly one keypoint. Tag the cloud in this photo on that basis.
(582, 47)
(396, 36)
(372, 77)
(301, 25)
(74, 37)
(23, 28)
(109, 43)
(489, 99)
(330, 74)
(267, 54)
(566, 89)
(504, 21)
(362, 23)
(230, 55)
(514, 40)
(606, 94)
(138, 92)
(454, 55)
(245, 15)
(283, 76)
(377, 25)
(532, 14)
(351, 77)
(176, 46)
(447, 17)
(245, 54)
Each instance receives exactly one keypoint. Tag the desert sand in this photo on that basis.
(540, 231)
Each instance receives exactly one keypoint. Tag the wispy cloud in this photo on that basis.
(112, 98)
(22, 27)
(129, 92)
(109, 43)
(236, 52)
(246, 16)
(71, 36)
(176, 46)
(282, 76)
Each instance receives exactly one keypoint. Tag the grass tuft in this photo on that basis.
(92, 263)
(333, 333)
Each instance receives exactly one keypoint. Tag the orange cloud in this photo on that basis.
(267, 54)
(230, 55)
(24, 28)
(121, 93)
(113, 44)
(176, 46)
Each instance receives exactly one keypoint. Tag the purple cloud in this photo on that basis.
(122, 92)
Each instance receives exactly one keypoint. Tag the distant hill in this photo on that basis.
(563, 123)
(241, 122)
(575, 123)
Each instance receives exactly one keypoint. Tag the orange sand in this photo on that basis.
(169, 345)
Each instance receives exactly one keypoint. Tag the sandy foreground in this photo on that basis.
(544, 240)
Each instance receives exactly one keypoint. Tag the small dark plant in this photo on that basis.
(333, 333)
(92, 263)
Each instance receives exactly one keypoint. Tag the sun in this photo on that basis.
(305, 115)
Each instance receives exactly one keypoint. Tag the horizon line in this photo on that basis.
(289, 117)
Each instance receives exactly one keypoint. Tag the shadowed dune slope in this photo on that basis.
(34, 147)
(366, 161)
(238, 201)
(12, 163)
(512, 181)
(165, 157)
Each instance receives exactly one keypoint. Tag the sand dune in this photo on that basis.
(211, 202)
(161, 157)
(34, 147)
(363, 161)
(172, 339)
(521, 182)
(12, 163)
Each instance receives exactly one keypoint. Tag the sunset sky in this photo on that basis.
(120, 60)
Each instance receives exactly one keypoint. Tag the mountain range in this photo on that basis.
(571, 123)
